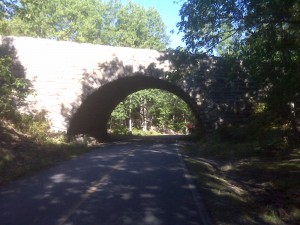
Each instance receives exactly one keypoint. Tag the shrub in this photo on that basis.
(35, 125)
(11, 88)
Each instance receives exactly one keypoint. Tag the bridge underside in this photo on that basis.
(92, 116)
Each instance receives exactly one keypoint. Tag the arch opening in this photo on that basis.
(151, 112)
(92, 116)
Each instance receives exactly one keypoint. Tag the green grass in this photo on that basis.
(22, 154)
(139, 132)
(244, 184)
(21, 161)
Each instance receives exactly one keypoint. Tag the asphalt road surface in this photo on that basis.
(122, 183)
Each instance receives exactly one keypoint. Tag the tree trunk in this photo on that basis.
(130, 117)
(294, 123)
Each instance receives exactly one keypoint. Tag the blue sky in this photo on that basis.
(169, 12)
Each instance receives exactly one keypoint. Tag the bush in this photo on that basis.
(12, 88)
(120, 131)
(35, 125)
(140, 132)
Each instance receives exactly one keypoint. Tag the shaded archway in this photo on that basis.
(92, 116)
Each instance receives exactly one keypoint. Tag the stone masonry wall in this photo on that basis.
(56, 70)
(63, 74)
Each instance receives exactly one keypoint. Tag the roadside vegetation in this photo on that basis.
(245, 182)
(27, 146)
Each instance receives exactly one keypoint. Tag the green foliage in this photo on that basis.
(7, 8)
(79, 21)
(263, 136)
(34, 125)
(120, 130)
(185, 64)
(139, 132)
(152, 108)
(264, 35)
(11, 88)
(137, 27)
(21, 153)
(92, 21)
(120, 112)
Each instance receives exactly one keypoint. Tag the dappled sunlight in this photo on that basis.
(126, 189)
(248, 190)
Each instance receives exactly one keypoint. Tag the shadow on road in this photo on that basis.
(140, 182)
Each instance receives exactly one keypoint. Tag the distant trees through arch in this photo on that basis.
(151, 112)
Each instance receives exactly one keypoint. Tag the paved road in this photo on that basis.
(122, 183)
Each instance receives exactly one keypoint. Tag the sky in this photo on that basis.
(169, 11)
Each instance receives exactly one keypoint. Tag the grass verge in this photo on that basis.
(22, 154)
(242, 184)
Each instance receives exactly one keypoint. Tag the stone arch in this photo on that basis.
(92, 116)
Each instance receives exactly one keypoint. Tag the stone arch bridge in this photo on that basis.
(78, 85)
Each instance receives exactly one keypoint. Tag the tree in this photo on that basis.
(131, 25)
(264, 35)
(92, 21)
(7, 9)
(151, 108)
(12, 88)
(69, 20)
